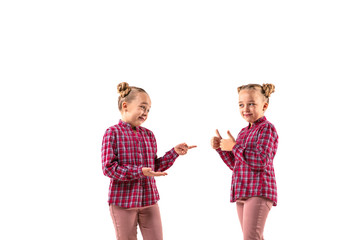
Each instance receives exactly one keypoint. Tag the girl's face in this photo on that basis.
(252, 105)
(136, 112)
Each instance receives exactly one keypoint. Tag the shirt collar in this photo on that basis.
(260, 120)
(128, 125)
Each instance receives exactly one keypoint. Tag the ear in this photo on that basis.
(124, 106)
(265, 106)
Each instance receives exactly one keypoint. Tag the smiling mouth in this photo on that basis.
(142, 119)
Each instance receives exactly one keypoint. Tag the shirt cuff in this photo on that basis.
(137, 172)
(173, 153)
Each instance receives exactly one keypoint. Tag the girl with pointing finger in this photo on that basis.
(130, 160)
(250, 157)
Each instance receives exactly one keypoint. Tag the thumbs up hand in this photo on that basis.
(215, 141)
(227, 144)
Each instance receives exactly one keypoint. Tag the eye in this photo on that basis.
(143, 107)
(241, 105)
(251, 104)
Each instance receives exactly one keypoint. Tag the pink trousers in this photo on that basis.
(252, 215)
(126, 220)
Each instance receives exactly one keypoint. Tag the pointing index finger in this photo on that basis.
(192, 146)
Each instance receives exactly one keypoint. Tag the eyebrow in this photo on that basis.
(249, 101)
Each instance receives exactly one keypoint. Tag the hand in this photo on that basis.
(182, 148)
(215, 141)
(150, 173)
(227, 144)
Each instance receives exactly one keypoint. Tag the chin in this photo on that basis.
(248, 119)
(139, 123)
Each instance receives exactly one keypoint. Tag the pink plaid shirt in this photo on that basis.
(251, 161)
(124, 153)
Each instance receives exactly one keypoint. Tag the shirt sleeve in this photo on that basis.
(227, 157)
(257, 154)
(111, 164)
(165, 162)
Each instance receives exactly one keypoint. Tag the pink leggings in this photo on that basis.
(252, 215)
(126, 220)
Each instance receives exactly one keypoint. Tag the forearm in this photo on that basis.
(165, 162)
(227, 157)
(252, 157)
(122, 173)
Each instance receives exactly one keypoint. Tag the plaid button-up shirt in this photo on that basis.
(124, 154)
(251, 161)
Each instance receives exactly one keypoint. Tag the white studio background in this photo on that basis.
(61, 62)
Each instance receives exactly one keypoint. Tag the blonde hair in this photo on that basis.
(266, 89)
(127, 93)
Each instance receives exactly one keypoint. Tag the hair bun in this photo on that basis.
(123, 89)
(268, 89)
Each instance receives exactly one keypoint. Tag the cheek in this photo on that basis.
(135, 114)
(260, 110)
